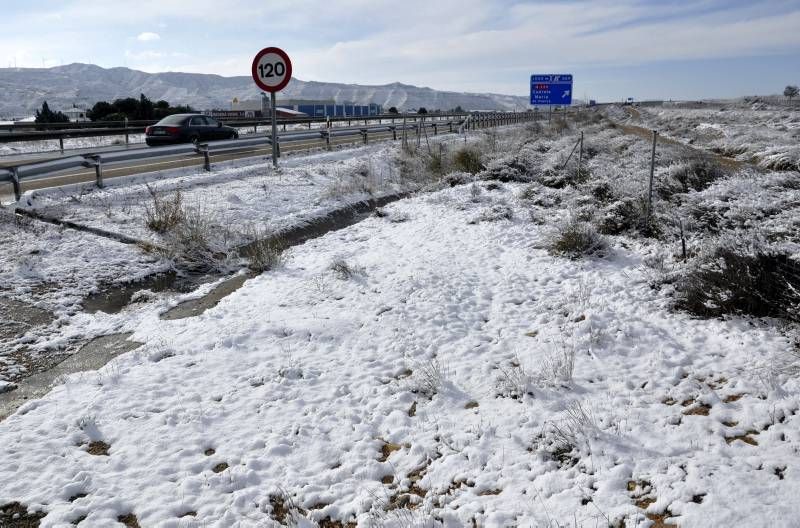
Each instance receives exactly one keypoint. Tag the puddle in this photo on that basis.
(197, 306)
(19, 317)
(91, 356)
(112, 299)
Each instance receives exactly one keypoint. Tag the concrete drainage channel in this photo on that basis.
(101, 350)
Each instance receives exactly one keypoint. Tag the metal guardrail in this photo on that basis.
(59, 131)
(44, 169)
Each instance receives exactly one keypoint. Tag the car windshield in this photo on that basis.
(172, 120)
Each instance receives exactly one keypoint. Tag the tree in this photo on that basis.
(458, 109)
(393, 110)
(100, 110)
(45, 115)
(145, 109)
(422, 110)
(791, 91)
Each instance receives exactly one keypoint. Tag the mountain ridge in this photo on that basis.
(22, 90)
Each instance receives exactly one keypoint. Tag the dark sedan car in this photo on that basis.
(187, 128)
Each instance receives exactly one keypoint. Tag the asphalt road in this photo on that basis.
(142, 166)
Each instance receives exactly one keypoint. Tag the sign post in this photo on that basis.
(272, 71)
(551, 90)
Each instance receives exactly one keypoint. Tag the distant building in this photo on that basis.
(302, 107)
(76, 114)
(332, 109)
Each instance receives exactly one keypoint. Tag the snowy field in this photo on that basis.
(53, 269)
(523, 348)
(763, 134)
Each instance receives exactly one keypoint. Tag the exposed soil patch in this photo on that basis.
(701, 409)
(98, 448)
(129, 520)
(747, 438)
(15, 515)
(219, 468)
(387, 449)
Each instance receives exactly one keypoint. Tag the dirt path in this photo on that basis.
(647, 134)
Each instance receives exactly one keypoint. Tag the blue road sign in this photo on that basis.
(552, 89)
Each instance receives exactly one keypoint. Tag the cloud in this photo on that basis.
(148, 36)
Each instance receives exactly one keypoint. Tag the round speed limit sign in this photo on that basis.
(272, 69)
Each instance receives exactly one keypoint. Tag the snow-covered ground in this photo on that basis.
(762, 134)
(53, 269)
(443, 364)
(51, 145)
(240, 195)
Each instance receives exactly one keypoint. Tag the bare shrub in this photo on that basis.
(513, 380)
(558, 365)
(265, 252)
(576, 239)
(576, 425)
(428, 377)
(345, 271)
(742, 277)
(164, 213)
(468, 159)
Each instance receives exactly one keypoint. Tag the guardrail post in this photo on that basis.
(203, 149)
(127, 140)
(15, 183)
(366, 135)
(435, 128)
(98, 170)
(394, 133)
(327, 135)
(61, 143)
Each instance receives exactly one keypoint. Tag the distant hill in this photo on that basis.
(22, 90)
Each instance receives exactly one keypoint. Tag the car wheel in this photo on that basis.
(195, 139)
(235, 135)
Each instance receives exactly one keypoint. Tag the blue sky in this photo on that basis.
(615, 49)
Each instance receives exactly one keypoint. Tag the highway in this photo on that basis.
(143, 166)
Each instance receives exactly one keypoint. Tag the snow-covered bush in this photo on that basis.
(575, 239)
(742, 276)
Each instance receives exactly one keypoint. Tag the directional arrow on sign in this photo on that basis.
(566, 94)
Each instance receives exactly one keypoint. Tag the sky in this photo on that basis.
(645, 49)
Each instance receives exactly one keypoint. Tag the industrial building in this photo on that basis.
(331, 108)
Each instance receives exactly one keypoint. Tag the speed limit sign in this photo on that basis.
(272, 69)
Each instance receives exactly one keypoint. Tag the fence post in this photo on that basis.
(127, 142)
(327, 135)
(61, 143)
(15, 183)
(652, 172)
(435, 128)
(394, 133)
(365, 132)
(580, 156)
